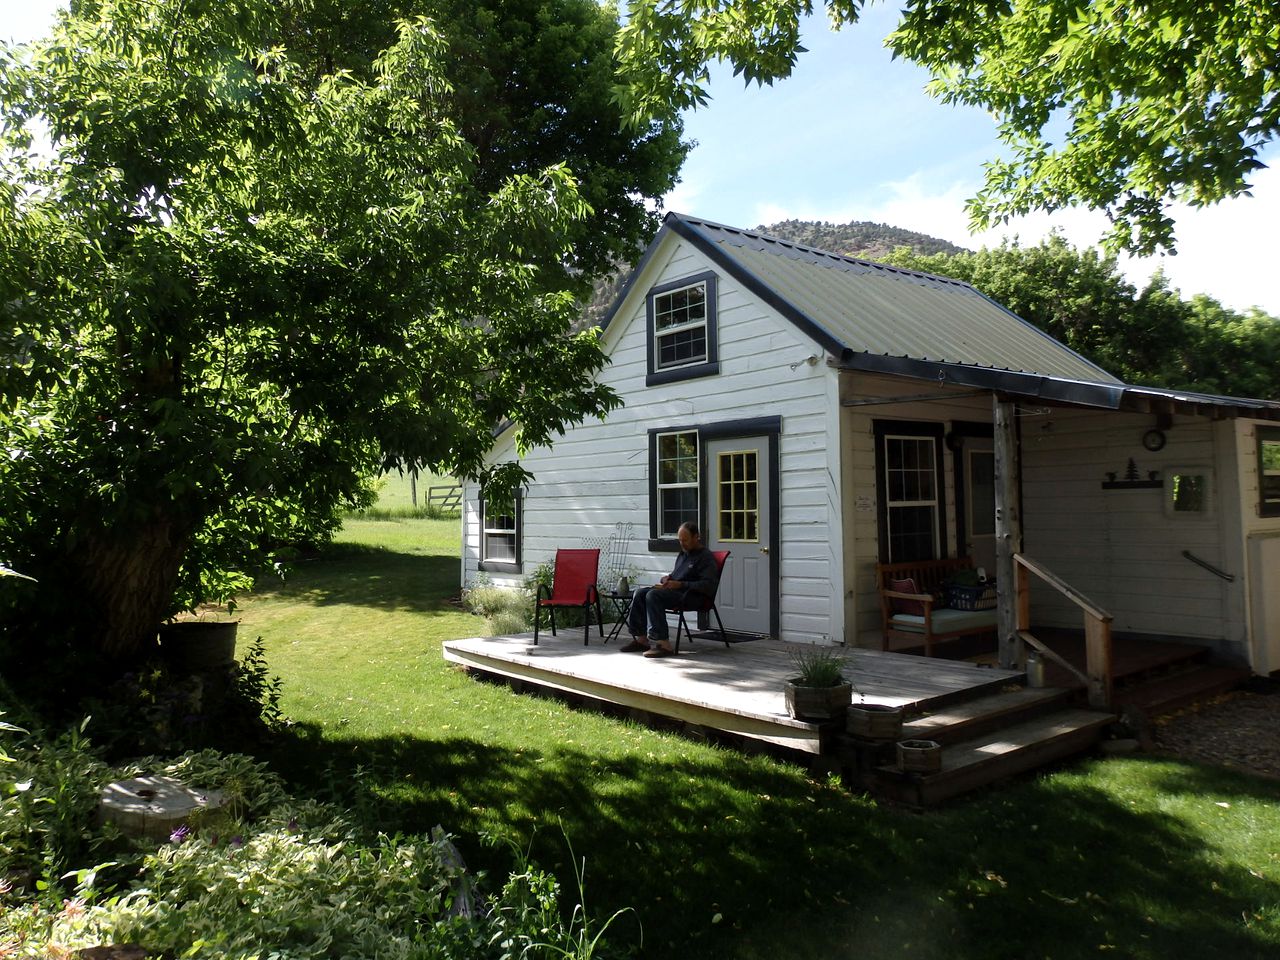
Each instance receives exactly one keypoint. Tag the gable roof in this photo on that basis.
(852, 306)
(878, 318)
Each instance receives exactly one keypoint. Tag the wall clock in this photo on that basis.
(1153, 440)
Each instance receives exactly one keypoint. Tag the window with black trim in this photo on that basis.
(910, 489)
(1269, 471)
(500, 537)
(681, 324)
(676, 461)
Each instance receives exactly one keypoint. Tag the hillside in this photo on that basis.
(859, 238)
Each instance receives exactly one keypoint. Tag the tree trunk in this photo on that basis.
(130, 576)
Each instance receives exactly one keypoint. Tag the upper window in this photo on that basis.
(1269, 471)
(500, 536)
(681, 323)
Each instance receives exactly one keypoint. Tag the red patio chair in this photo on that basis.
(573, 585)
(695, 602)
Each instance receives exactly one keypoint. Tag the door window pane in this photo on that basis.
(982, 493)
(738, 517)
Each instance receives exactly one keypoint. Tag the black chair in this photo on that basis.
(694, 601)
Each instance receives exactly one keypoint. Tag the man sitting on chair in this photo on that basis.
(695, 569)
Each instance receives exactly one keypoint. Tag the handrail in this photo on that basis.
(1055, 581)
(1229, 577)
(1097, 675)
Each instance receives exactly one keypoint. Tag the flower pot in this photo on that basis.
(199, 646)
(875, 721)
(919, 756)
(817, 703)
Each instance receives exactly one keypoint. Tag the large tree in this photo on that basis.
(231, 286)
(532, 85)
(1119, 106)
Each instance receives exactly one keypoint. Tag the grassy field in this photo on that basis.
(728, 856)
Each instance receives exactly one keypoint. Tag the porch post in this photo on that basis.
(1008, 529)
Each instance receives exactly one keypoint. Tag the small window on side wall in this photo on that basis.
(500, 536)
(1269, 471)
(1188, 492)
(681, 328)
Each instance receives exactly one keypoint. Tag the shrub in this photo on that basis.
(817, 665)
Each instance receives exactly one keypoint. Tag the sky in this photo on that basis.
(853, 136)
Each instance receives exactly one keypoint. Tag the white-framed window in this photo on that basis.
(910, 489)
(500, 539)
(676, 481)
(681, 325)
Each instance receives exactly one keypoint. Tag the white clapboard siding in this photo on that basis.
(598, 474)
(1120, 548)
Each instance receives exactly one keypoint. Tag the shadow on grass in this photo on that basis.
(389, 580)
(729, 856)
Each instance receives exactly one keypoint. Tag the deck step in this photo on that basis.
(994, 756)
(969, 718)
(1168, 693)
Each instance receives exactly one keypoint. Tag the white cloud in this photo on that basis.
(1219, 252)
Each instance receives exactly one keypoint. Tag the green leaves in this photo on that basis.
(235, 288)
(1104, 104)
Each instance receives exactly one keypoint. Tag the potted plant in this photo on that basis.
(198, 645)
(819, 690)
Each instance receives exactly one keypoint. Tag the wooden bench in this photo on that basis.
(934, 621)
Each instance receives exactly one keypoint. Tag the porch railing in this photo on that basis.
(1097, 675)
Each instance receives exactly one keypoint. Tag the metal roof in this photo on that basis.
(884, 319)
(857, 306)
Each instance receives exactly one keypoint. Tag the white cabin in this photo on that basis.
(817, 414)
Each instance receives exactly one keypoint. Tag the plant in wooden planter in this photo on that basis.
(819, 690)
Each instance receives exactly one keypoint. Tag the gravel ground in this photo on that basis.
(1240, 730)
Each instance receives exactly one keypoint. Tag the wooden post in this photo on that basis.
(1097, 644)
(413, 488)
(1008, 529)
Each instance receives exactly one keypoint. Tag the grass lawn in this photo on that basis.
(728, 856)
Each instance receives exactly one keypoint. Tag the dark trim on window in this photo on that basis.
(1265, 435)
(908, 428)
(705, 368)
(771, 426)
(505, 566)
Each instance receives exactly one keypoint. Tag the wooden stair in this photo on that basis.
(1161, 694)
(984, 740)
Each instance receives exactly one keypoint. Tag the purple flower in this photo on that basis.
(237, 841)
(292, 825)
(180, 834)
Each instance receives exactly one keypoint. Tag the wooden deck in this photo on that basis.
(735, 690)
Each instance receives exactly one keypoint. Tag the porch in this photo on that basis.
(736, 690)
(991, 726)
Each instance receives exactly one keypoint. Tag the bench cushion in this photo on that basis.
(946, 621)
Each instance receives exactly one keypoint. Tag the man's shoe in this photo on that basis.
(635, 646)
(657, 652)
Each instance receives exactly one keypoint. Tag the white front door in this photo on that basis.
(739, 519)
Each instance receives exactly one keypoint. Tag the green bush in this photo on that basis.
(268, 875)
